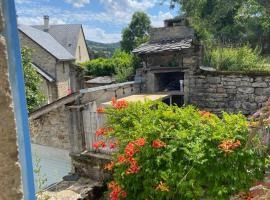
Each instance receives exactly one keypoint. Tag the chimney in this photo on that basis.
(46, 23)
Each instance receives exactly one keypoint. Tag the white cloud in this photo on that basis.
(99, 35)
(158, 20)
(78, 3)
(38, 20)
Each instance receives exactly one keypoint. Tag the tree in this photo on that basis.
(32, 81)
(228, 20)
(136, 32)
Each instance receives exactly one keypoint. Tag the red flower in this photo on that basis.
(99, 144)
(100, 109)
(140, 142)
(100, 132)
(112, 145)
(130, 149)
(158, 144)
(132, 170)
(124, 194)
(119, 104)
(116, 191)
(121, 159)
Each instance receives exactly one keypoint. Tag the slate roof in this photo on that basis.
(161, 46)
(66, 34)
(46, 41)
(43, 73)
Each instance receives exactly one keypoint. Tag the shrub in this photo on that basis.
(99, 67)
(121, 65)
(235, 59)
(167, 152)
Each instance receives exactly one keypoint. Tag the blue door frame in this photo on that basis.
(18, 94)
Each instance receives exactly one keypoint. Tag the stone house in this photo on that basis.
(55, 51)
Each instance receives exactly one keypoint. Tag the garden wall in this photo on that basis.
(51, 129)
(231, 92)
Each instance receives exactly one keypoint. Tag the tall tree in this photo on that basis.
(32, 80)
(136, 32)
(229, 20)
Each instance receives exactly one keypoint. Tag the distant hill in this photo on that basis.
(98, 49)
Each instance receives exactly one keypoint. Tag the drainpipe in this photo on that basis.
(18, 96)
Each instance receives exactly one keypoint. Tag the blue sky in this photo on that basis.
(102, 20)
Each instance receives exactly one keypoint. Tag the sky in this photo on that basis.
(102, 20)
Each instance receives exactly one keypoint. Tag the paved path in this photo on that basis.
(54, 164)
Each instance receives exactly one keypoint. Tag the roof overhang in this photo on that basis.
(163, 46)
(43, 73)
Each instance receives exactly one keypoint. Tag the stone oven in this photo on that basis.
(171, 54)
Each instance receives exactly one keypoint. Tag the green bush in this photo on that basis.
(99, 67)
(167, 152)
(121, 65)
(235, 59)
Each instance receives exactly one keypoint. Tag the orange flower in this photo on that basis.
(162, 187)
(109, 166)
(133, 169)
(158, 144)
(103, 131)
(140, 142)
(100, 109)
(205, 114)
(99, 144)
(227, 146)
(116, 191)
(119, 104)
(130, 149)
(121, 159)
(100, 132)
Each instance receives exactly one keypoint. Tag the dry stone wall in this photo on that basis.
(51, 129)
(233, 93)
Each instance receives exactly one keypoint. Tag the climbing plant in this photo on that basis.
(32, 80)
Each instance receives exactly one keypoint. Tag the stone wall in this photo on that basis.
(10, 181)
(51, 129)
(231, 92)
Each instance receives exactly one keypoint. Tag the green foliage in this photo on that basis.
(191, 165)
(229, 20)
(121, 65)
(99, 67)
(136, 33)
(32, 81)
(235, 59)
